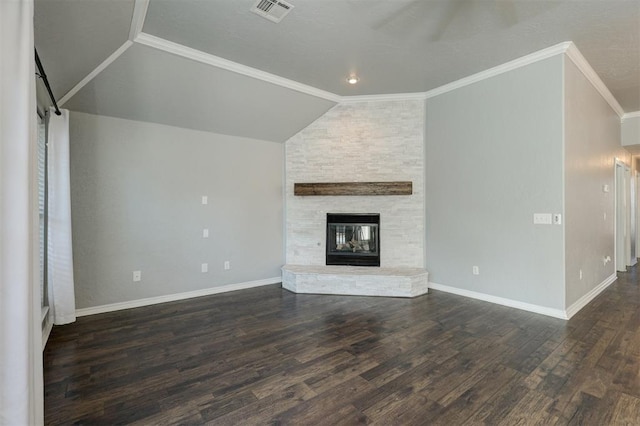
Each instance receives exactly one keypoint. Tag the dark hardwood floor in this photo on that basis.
(267, 356)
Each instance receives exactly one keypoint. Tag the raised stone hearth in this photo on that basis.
(355, 280)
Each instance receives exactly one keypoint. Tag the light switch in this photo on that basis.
(605, 188)
(205, 200)
(542, 218)
(205, 233)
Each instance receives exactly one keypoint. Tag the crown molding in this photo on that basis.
(140, 8)
(115, 55)
(137, 20)
(579, 61)
(206, 58)
(635, 114)
(501, 69)
(483, 75)
(382, 98)
(136, 34)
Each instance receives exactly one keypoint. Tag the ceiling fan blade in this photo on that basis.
(450, 14)
(400, 12)
(507, 11)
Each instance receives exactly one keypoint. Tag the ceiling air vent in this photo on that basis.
(273, 10)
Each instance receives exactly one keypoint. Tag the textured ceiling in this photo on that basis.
(147, 84)
(404, 46)
(395, 46)
(74, 36)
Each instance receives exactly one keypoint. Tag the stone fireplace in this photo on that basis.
(377, 141)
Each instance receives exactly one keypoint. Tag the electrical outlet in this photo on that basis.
(475, 270)
(557, 219)
(137, 276)
(205, 200)
(205, 233)
(227, 265)
(204, 267)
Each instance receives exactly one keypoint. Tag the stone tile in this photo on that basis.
(355, 281)
(359, 142)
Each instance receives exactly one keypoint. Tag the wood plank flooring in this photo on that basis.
(267, 356)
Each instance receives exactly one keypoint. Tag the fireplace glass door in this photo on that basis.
(353, 239)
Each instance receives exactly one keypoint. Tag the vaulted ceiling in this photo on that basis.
(213, 65)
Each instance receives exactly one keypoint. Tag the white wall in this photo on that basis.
(592, 142)
(359, 142)
(493, 159)
(631, 131)
(136, 205)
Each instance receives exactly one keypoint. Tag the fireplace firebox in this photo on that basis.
(353, 239)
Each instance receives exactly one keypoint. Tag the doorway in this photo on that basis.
(622, 219)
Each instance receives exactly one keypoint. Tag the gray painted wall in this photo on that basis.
(136, 205)
(493, 159)
(592, 142)
(631, 131)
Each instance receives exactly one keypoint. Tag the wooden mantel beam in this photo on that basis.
(353, 188)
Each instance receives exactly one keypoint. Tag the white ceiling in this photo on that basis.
(407, 45)
(147, 84)
(395, 46)
(73, 37)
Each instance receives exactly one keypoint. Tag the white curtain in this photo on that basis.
(62, 300)
(21, 388)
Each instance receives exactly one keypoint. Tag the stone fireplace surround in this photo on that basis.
(378, 141)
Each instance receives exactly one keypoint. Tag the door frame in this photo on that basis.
(621, 215)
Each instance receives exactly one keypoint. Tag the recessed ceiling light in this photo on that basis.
(353, 79)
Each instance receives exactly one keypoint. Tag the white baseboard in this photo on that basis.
(584, 300)
(174, 297)
(634, 261)
(556, 313)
